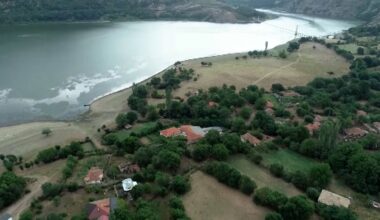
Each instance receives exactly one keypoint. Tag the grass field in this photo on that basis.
(261, 176)
(298, 69)
(138, 128)
(211, 200)
(290, 160)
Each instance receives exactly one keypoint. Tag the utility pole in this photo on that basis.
(296, 34)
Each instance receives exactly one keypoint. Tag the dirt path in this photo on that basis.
(279, 69)
(24, 203)
(35, 191)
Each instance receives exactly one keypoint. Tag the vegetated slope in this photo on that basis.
(368, 10)
(79, 10)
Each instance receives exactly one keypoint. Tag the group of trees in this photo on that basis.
(228, 175)
(56, 153)
(12, 187)
(295, 208)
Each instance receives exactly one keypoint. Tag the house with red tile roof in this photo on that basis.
(247, 137)
(170, 132)
(101, 209)
(212, 104)
(192, 133)
(313, 127)
(269, 104)
(94, 176)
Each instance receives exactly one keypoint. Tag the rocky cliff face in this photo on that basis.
(344, 9)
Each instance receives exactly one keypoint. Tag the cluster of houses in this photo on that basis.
(190, 132)
(101, 209)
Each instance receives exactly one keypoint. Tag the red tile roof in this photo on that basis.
(170, 132)
(251, 139)
(269, 104)
(99, 210)
(361, 113)
(355, 132)
(95, 174)
(212, 104)
(191, 136)
(313, 127)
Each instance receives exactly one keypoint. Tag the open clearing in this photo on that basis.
(209, 199)
(27, 140)
(261, 176)
(290, 160)
(298, 69)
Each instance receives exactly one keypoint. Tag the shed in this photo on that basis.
(329, 198)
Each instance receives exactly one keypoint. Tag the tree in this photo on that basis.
(131, 117)
(320, 176)
(238, 125)
(265, 122)
(293, 46)
(245, 112)
(328, 137)
(201, 152)
(180, 185)
(112, 171)
(152, 113)
(300, 180)
(219, 152)
(335, 213)
(273, 216)
(50, 190)
(27, 215)
(282, 54)
(277, 87)
(167, 160)
(46, 132)
(360, 51)
(297, 208)
(12, 187)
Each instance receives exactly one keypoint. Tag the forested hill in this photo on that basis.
(15, 11)
(368, 10)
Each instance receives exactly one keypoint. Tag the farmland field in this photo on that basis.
(209, 199)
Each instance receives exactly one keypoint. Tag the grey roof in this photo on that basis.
(113, 203)
(5, 216)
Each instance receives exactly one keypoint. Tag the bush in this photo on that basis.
(201, 152)
(297, 208)
(50, 190)
(300, 180)
(335, 213)
(273, 216)
(277, 169)
(246, 185)
(313, 193)
(270, 198)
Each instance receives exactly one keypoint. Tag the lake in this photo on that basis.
(49, 71)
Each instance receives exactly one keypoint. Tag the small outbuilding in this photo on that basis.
(247, 137)
(128, 184)
(329, 198)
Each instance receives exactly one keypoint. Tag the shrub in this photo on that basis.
(312, 193)
(297, 208)
(270, 198)
(277, 169)
(246, 185)
(273, 216)
(180, 185)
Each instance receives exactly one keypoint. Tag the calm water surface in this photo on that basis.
(49, 71)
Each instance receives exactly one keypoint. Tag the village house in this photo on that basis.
(313, 127)
(101, 209)
(170, 132)
(129, 168)
(190, 132)
(354, 133)
(247, 137)
(94, 176)
(330, 198)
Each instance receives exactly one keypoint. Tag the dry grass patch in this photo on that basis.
(209, 199)
(26, 140)
(298, 69)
